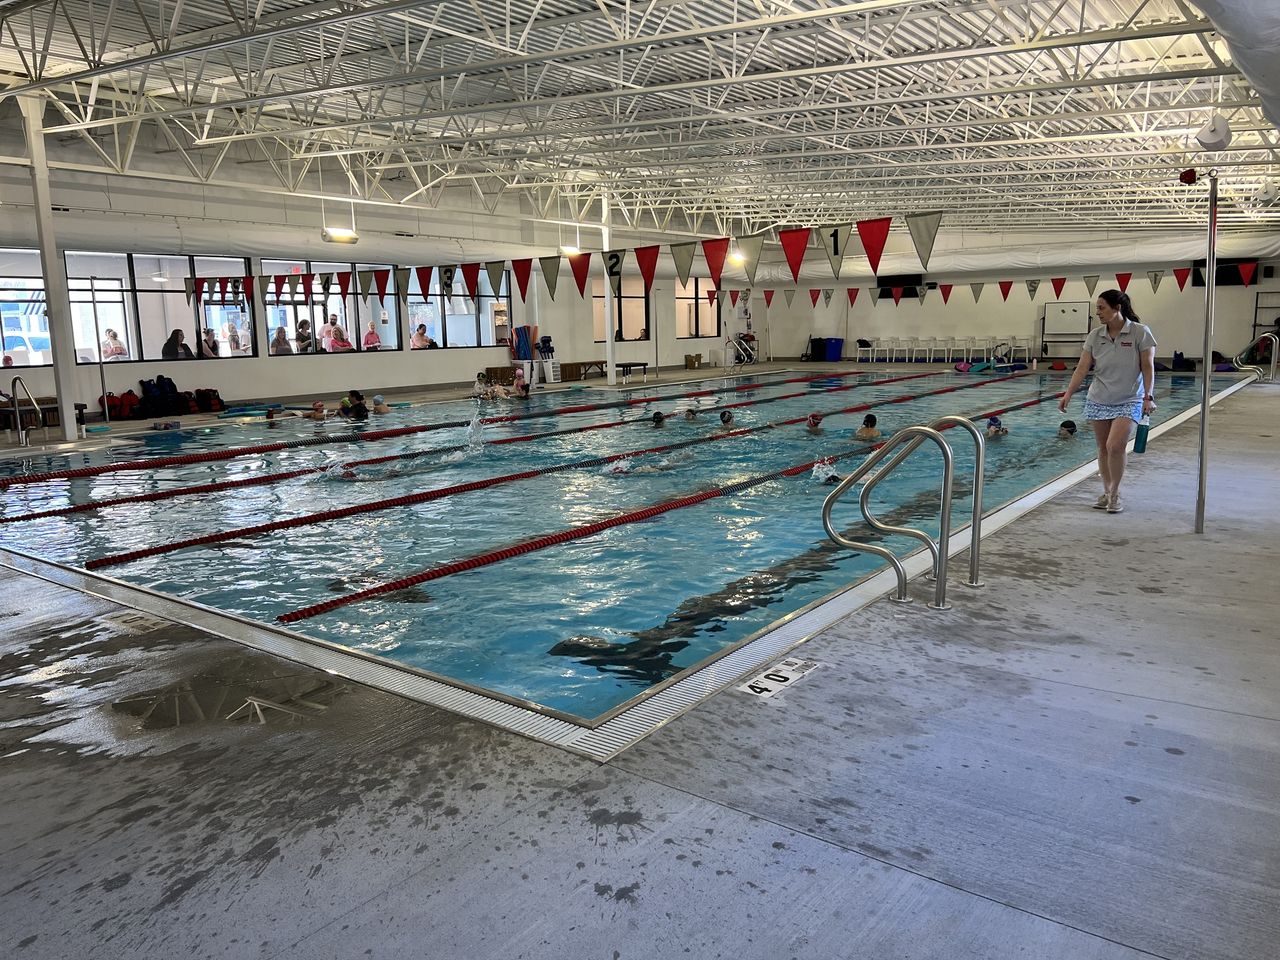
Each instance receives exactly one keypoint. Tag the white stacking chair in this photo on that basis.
(869, 350)
(946, 347)
(922, 347)
(1020, 344)
(898, 345)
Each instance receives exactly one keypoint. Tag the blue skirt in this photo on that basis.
(1113, 411)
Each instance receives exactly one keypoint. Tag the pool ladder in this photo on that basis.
(1263, 376)
(902, 444)
(23, 432)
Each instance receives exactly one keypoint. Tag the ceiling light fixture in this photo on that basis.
(1216, 134)
(339, 235)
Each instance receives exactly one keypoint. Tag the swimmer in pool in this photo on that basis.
(690, 413)
(380, 405)
(868, 429)
(996, 429)
(726, 419)
(659, 419)
(813, 424)
(317, 412)
(1067, 430)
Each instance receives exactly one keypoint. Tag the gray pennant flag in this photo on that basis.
(722, 295)
(875, 295)
(682, 254)
(550, 267)
(923, 290)
(402, 283)
(446, 275)
(789, 295)
(977, 291)
(826, 297)
(750, 248)
(364, 279)
(835, 239)
(1155, 276)
(924, 230)
(190, 286)
(495, 269)
(1032, 287)
(613, 268)
(1091, 283)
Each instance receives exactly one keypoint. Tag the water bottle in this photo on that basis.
(1140, 441)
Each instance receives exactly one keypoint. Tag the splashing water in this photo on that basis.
(823, 472)
(474, 448)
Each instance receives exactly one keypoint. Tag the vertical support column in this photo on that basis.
(606, 243)
(1210, 290)
(532, 318)
(57, 299)
(257, 305)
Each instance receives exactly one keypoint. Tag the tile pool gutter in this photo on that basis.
(609, 734)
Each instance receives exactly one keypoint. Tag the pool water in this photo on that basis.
(579, 627)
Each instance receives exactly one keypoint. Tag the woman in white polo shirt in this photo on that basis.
(1122, 353)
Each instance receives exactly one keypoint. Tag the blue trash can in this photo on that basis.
(835, 348)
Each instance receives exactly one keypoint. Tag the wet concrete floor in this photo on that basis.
(1079, 761)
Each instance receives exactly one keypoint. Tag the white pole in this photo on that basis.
(1210, 289)
(97, 333)
(606, 240)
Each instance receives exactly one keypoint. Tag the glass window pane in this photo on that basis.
(634, 324)
(159, 315)
(24, 327)
(460, 322)
(20, 263)
(100, 321)
(159, 273)
(383, 314)
(104, 265)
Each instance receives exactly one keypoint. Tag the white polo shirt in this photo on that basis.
(1117, 363)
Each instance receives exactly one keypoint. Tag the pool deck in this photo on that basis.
(1080, 761)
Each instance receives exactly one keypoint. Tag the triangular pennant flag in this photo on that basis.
(613, 268)
(326, 283)
(714, 252)
(580, 263)
(835, 238)
(198, 286)
(344, 283)
(402, 282)
(711, 297)
(222, 287)
(977, 291)
(1091, 283)
(921, 293)
(682, 254)
(814, 294)
(308, 281)
(247, 282)
(522, 269)
(1181, 274)
(946, 291)
(1123, 279)
(237, 287)
(424, 280)
(1154, 277)
(190, 286)
(897, 295)
(1247, 270)
(924, 230)
(550, 269)
(826, 297)
(789, 295)
(874, 234)
(364, 282)
(381, 280)
(852, 294)
(1032, 287)
(750, 248)
(1058, 284)
(647, 261)
(768, 298)
(733, 297)
(1005, 287)
(446, 275)
(471, 279)
(875, 295)
(794, 243)
(495, 269)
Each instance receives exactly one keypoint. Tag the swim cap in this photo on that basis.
(814, 419)
(993, 422)
(519, 372)
(378, 398)
(726, 416)
(1068, 425)
(659, 416)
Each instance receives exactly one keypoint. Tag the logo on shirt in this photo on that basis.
(1126, 343)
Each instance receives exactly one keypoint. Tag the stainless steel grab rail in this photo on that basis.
(1263, 377)
(906, 442)
(17, 410)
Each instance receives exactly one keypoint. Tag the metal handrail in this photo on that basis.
(17, 410)
(1263, 377)
(909, 440)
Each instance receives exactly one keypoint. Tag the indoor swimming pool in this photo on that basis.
(562, 552)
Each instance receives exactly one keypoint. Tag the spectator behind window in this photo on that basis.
(174, 348)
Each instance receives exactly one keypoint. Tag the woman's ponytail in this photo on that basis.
(1119, 300)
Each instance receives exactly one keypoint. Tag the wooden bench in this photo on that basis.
(626, 368)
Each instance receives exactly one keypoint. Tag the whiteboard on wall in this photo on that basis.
(1067, 318)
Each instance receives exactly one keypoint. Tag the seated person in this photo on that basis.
(1067, 430)
(420, 340)
(280, 343)
(380, 405)
(173, 349)
(303, 339)
(995, 428)
(813, 424)
(371, 339)
(521, 387)
(338, 342)
(113, 347)
(209, 344)
(868, 429)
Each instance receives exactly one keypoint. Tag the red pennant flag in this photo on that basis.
(814, 295)
(711, 298)
(733, 297)
(581, 264)
(380, 280)
(794, 243)
(768, 298)
(199, 287)
(523, 269)
(248, 286)
(344, 283)
(1247, 270)
(852, 294)
(1058, 284)
(1123, 279)
(471, 275)
(222, 287)
(424, 281)
(1005, 287)
(280, 281)
(714, 251)
(897, 295)
(946, 291)
(1182, 273)
(307, 280)
(647, 261)
(874, 235)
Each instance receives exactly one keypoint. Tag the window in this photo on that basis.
(493, 310)
(631, 310)
(24, 327)
(695, 316)
(100, 290)
(424, 313)
(288, 308)
(162, 303)
(382, 314)
(225, 314)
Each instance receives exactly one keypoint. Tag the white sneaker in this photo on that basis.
(1114, 505)
(1103, 502)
